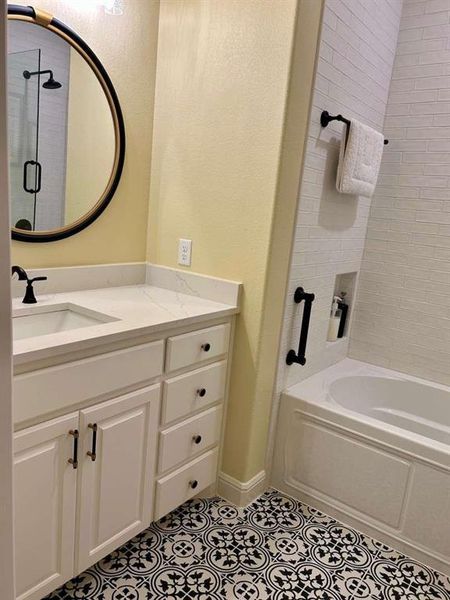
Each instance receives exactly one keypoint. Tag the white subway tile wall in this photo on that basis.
(22, 115)
(402, 316)
(357, 52)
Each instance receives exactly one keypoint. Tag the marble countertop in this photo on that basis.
(138, 310)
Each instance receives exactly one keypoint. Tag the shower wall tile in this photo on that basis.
(357, 51)
(402, 315)
(55, 55)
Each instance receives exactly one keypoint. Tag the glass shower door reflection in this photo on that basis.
(23, 121)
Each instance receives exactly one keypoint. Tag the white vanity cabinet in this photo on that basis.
(144, 428)
(192, 416)
(74, 505)
(45, 505)
(115, 500)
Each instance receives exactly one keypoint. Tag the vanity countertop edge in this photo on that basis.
(138, 311)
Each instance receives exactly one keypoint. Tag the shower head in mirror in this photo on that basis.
(50, 84)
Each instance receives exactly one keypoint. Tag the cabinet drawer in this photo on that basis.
(186, 482)
(197, 346)
(193, 391)
(55, 388)
(189, 438)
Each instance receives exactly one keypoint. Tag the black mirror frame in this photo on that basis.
(37, 17)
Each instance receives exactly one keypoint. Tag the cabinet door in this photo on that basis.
(117, 488)
(45, 497)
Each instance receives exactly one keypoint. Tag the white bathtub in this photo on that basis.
(371, 447)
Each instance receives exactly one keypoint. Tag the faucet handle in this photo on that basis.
(30, 298)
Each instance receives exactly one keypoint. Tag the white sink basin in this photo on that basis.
(44, 320)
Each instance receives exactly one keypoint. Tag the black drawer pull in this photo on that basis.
(93, 453)
(197, 439)
(193, 484)
(201, 392)
(206, 347)
(74, 461)
(299, 357)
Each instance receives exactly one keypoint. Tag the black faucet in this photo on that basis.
(29, 297)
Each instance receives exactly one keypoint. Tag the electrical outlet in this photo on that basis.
(184, 252)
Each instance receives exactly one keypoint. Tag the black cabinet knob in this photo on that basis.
(193, 484)
(197, 439)
(206, 347)
(201, 392)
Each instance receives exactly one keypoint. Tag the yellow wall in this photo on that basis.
(126, 45)
(221, 91)
(303, 68)
(90, 140)
(229, 126)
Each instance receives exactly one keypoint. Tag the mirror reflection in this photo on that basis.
(62, 142)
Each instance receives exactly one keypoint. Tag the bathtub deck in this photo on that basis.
(275, 549)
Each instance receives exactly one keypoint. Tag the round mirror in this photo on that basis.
(66, 131)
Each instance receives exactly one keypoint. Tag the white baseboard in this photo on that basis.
(242, 493)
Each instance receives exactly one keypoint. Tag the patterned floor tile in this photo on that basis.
(275, 549)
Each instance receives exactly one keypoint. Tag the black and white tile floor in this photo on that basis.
(275, 549)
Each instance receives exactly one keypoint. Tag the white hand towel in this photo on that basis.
(359, 160)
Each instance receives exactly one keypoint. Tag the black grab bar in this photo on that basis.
(299, 357)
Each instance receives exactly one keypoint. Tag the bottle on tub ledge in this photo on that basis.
(335, 320)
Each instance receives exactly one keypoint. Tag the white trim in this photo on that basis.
(6, 465)
(242, 493)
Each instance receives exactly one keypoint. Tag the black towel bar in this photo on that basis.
(326, 118)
